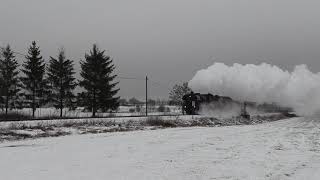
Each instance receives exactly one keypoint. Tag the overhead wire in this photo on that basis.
(153, 83)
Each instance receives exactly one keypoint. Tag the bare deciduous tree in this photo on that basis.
(178, 91)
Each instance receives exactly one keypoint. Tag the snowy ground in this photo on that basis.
(285, 149)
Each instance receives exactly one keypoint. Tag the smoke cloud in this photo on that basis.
(264, 83)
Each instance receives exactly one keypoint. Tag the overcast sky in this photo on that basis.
(167, 39)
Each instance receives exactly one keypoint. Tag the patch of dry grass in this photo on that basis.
(24, 130)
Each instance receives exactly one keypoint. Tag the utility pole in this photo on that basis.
(146, 95)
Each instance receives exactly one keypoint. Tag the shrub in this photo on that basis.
(14, 116)
(158, 121)
(138, 108)
(161, 108)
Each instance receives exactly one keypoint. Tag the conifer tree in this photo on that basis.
(34, 81)
(97, 80)
(62, 81)
(9, 80)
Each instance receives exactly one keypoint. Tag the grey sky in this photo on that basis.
(168, 39)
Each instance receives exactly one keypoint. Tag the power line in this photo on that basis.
(133, 78)
(122, 76)
(153, 83)
(119, 77)
(158, 84)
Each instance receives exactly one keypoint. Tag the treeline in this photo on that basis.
(34, 83)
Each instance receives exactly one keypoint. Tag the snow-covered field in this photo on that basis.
(285, 149)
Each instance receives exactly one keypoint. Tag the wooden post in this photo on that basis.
(146, 95)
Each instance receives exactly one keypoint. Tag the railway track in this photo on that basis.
(88, 118)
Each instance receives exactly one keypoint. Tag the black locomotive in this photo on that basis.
(193, 101)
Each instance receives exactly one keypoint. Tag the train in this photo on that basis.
(192, 103)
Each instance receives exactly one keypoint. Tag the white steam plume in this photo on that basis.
(299, 89)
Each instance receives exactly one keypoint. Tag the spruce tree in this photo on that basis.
(62, 81)
(34, 81)
(97, 81)
(9, 80)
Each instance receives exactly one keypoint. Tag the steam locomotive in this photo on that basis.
(193, 101)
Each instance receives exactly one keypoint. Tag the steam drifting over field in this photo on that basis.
(299, 89)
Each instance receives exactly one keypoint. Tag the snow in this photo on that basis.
(285, 149)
